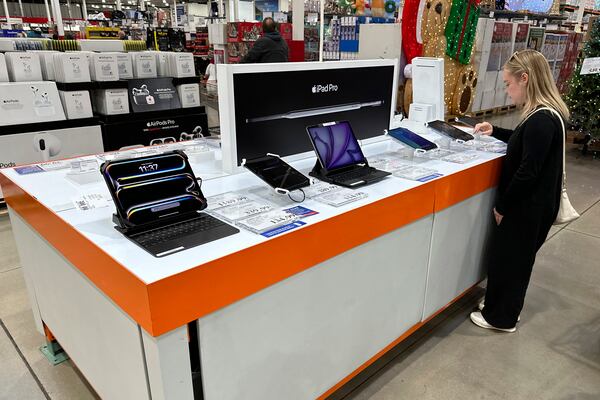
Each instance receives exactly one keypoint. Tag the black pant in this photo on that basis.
(514, 244)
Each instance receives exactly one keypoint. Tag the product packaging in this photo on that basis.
(189, 95)
(23, 67)
(3, 70)
(162, 63)
(104, 67)
(181, 65)
(71, 67)
(111, 101)
(144, 65)
(29, 102)
(77, 104)
(125, 66)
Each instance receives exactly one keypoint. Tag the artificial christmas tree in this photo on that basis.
(584, 93)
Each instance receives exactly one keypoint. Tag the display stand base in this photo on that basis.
(54, 353)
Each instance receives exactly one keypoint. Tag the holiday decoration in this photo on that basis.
(584, 95)
(461, 29)
(412, 48)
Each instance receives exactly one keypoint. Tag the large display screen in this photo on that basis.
(335, 145)
(273, 109)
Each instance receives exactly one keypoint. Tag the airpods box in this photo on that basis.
(125, 66)
(3, 70)
(29, 102)
(111, 101)
(71, 67)
(144, 65)
(104, 67)
(181, 65)
(189, 95)
(162, 64)
(77, 104)
(23, 67)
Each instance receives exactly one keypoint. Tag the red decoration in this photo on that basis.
(410, 45)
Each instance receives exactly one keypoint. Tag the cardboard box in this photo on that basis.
(181, 65)
(111, 101)
(217, 34)
(71, 67)
(29, 102)
(489, 80)
(125, 66)
(3, 70)
(499, 98)
(162, 64)
(189, 95)
(144, 65)
(104, 67)
(77, 104)
(519, 36)
(47, 63)
(23, 67)
(476, 106)
(500, 81)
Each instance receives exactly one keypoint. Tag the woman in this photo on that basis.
(528, 194)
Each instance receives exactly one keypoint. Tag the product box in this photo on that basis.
(71, 67)
(487, 99)
(162, 63)
(189, 95)
(476, 105)
(520, 33)
(3, 70)
(285, 30)
(104, 67)
(243, 31)
(29, 102)
(499, 98)
(144, 65)
(46, 63)
(536, 38)
(111, 101)
(489, 80)
(217, 34)
(485, 31)
(181, 65)
(23, 67)
(77, 104)
(153, 95)
(125, 65)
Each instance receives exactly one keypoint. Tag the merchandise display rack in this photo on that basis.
(177, 112)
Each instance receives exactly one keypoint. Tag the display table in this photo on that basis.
(290, 317)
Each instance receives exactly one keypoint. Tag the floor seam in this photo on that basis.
(583, 233)
(12, 269)
(33, 374)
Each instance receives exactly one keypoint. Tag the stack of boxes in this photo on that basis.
(481, 56)
(343, 43)
(569, 60)
(554, 48)
(201, 42)
(500, 49)
(217, 39)
(241, 36)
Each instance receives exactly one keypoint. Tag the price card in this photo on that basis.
(591, 65)
(242, 210)
(84, 166)
(341, 197)
(320, 188)
(267, 221)
(226, 199)
(91, 201)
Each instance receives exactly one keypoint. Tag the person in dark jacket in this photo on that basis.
(269, 48)
(528, 195)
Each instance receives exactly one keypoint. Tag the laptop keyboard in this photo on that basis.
(352, 175)
(179, 230)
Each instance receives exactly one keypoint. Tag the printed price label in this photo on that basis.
(91, 201)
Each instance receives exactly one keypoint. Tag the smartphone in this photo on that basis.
(412, 139)
(276, 173)
(451, 131)
(466, 120)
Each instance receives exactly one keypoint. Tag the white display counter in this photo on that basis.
(294, 316)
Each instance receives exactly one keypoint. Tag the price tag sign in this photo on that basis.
(590, 66)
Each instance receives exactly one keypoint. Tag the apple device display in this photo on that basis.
(451, 131)
(340, 158)
(468, 121)
(277, 173)
(411, 139)
(159, 203)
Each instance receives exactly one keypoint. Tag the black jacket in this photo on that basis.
(531, 179)
(269, 48)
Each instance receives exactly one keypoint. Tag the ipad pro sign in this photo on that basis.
(273, 109)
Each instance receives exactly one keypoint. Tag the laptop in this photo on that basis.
(159, 203)
(340, 159)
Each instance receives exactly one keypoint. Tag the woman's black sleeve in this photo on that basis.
(538, 133)
(501, 133)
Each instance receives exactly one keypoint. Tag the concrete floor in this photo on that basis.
(555, 354)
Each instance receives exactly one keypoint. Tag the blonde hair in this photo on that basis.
(541, 89)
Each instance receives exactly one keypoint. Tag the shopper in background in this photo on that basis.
(269, 48)
(528, 195)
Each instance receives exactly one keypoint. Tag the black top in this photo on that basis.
(532, 170)
(269, 48)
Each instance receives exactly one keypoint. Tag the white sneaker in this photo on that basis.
(478, 320)
(482, 304)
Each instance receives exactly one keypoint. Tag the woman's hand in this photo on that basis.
(484, 128)
(498, 216)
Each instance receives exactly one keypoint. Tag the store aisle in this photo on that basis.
(555, 353)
